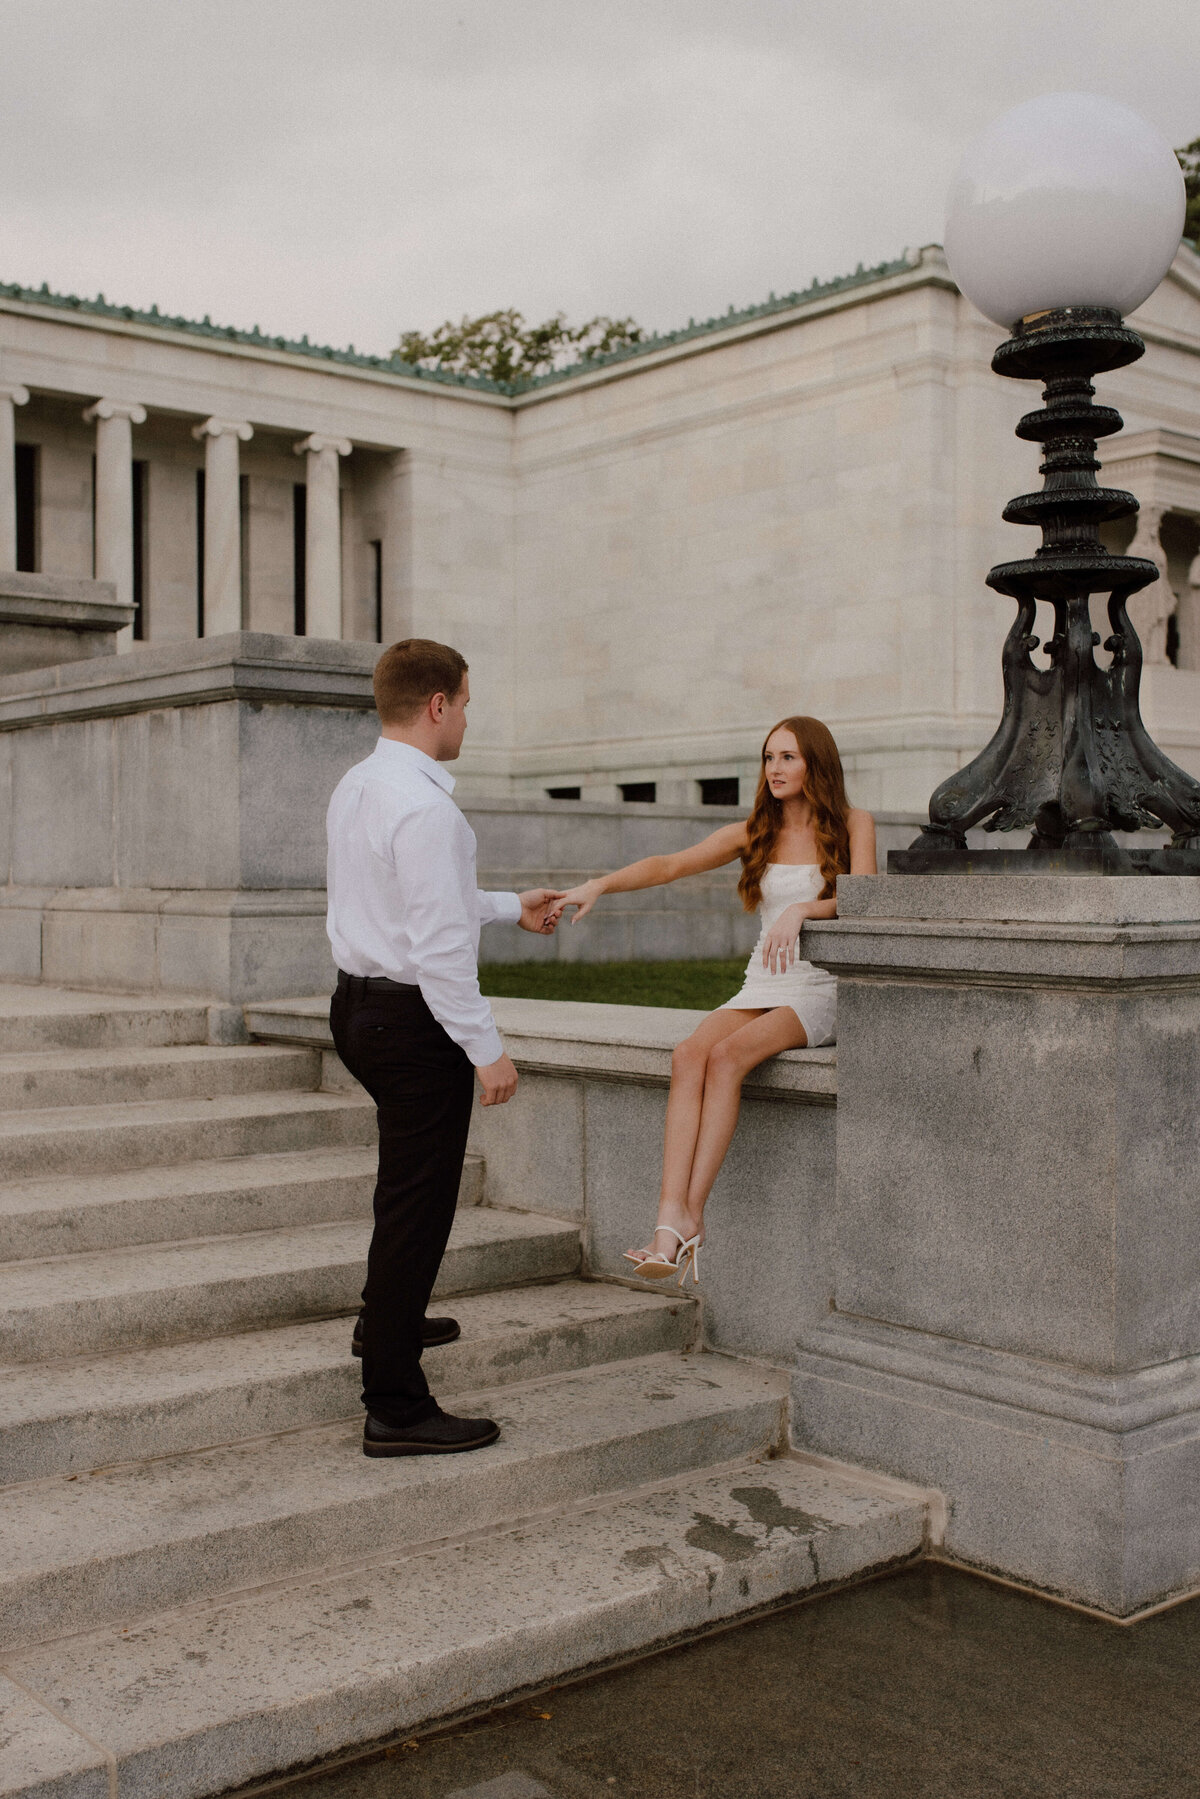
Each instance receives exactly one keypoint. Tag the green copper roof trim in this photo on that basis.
(393, 365)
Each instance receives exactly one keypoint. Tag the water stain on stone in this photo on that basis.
(649, 1557)
(720, 1539)
(765, 1507)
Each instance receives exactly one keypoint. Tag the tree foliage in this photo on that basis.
(503, 347)
(1189, 162)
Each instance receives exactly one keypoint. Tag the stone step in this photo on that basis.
(37, 1017)
(213, 1698)
(163, 1293)
(69, 1417)
(103, 1077)
(105, 1139)
(69, 1214)
(126, 1542)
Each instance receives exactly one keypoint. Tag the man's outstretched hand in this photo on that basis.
(537, 910)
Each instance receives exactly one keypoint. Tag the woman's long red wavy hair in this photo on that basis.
(825, 791)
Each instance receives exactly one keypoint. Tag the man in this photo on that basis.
(409, 1021)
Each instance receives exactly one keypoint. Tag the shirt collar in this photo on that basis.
(390, 749)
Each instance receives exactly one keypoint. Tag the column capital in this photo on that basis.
(315, 443)
(215, 427)
(116, 409)
(13, 390)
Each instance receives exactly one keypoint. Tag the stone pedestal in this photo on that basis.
(46, 619)
(1017, 1290)
(162, 814)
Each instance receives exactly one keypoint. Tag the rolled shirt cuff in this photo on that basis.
(486, 1048)
(505, 908)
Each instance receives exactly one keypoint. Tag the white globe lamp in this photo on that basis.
(1068, 200)
(1064, 216)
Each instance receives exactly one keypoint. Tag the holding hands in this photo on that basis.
(583, 898)
(541, 909)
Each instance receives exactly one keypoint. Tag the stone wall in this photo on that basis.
(645, 563)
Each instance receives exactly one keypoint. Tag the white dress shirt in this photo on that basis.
(402, 895)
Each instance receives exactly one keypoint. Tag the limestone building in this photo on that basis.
(645, 561)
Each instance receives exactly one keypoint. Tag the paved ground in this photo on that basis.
(926, 1685)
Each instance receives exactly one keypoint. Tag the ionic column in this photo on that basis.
(1150, 609)
(222, 523)
(9, 397)
(114, 496)
(323, 535)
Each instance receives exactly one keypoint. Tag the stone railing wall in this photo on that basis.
(582, 1139)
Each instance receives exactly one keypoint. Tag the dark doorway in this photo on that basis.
(140, 473)
(26, 456)
(377, 585)
(199, 552)
(299, 558)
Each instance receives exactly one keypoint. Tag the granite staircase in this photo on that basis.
(202, 1580)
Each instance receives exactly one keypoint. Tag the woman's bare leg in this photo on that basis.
(766, 1034)
(689, 1064)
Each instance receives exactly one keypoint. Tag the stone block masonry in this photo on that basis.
(1017, 1272)
(162, 826)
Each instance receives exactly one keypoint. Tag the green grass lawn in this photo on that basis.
(702, 984)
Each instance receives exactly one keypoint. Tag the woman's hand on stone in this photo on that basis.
(782, 941)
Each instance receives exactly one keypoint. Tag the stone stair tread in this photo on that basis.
(105, 1078)
(69, 1214)
(170, 1292)
(74, 1192)
(35, 1016)
(200, 1701)
(57, 1121)
(259, 1378)
(103, 1274)
(130, 1540)
(72, 1214)
(166, 1055)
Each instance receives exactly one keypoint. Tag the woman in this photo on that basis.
(801, 834)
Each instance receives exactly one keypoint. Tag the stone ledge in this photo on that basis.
(203, 902)
(1026, 899)
(1079, 956)
(1141, 1400)
(62, 601)
(630, 1044)
(243, 665)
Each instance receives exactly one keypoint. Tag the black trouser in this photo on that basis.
(422, 1084)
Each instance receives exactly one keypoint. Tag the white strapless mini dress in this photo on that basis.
(810, 992)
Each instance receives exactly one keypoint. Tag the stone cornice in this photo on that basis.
(244, 665)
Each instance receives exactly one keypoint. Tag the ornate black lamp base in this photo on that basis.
(1071, 759)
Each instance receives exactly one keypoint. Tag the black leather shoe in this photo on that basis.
(434, 1330)
(440, 1435)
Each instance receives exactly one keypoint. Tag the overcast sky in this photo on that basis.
(352, 168)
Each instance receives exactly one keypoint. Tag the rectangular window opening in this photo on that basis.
(244, 548)
(139, 474)
(377, 585)
(199, 552)
(563, 793)
(26, 473)
(722, 790)
(299, 558)
(643, 792)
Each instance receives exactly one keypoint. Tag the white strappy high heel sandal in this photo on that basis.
(656, 1266)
